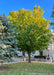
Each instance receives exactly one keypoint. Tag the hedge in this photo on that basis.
(44, 57)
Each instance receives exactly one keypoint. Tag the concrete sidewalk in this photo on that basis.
(20, 60)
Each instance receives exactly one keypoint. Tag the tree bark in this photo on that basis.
(29, 55)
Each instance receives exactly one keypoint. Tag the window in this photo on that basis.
(41, 53)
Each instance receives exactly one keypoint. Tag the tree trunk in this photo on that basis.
(29, 55)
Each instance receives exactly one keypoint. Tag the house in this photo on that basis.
(50, 50)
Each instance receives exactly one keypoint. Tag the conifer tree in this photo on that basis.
(8, 43)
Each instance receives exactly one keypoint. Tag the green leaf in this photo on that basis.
(28, 43)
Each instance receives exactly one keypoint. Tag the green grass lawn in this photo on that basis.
(29, 69)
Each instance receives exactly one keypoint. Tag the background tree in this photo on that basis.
(8, 42)
(33, 28)
(52, 15)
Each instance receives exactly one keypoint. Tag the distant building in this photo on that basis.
(50, 50)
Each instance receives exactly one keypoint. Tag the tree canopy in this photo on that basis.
(34, 33)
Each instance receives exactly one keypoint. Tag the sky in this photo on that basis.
(8, 5)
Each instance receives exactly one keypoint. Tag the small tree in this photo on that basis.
(34, 33)
(8, 42)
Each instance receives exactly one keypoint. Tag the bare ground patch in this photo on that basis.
(4, 68)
